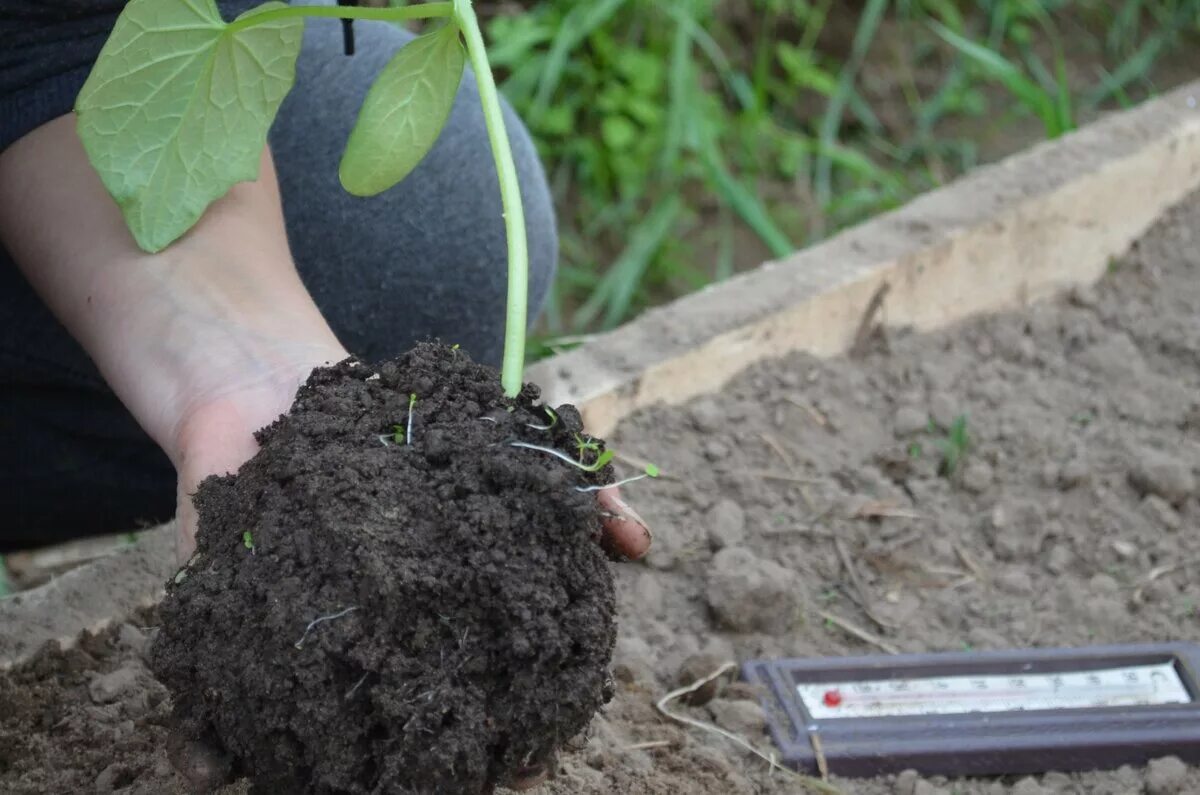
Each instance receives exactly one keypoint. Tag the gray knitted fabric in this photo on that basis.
(426, 259)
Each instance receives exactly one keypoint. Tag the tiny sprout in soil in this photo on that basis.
(412, 401)
(595, 466)
(651, 471)
(248, 541)
(553, 420)
(954, 446)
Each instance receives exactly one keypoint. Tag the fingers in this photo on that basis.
(625, 533)
(529, 779)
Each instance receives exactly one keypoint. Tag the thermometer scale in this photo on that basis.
(1014, 712)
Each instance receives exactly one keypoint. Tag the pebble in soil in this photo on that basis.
(368, 612)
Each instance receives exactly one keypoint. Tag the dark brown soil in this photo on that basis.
(364, 615)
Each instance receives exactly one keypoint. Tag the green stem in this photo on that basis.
(422, 11)
(512, 369)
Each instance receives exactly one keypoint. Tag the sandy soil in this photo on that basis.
(1070, 520)
(1078, 488)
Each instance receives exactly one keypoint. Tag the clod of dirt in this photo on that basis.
(695, 668)
(1029, 786)
(739, 716)
(749, 594)
(378, 605)
(909, 420)
(1162, 475)
(726, 525)
(107, 688)
(1165, 776)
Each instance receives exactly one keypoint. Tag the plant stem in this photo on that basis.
(513, 367)
(422, 11)
(516, 316)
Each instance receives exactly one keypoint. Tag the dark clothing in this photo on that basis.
(426, 259)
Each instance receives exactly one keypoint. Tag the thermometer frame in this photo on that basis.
(1013, 742)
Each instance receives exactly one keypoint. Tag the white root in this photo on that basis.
(318, 620)
(811, 783)
(611, 485)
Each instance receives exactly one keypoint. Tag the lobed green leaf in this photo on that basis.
(177, 108)
(404, 112)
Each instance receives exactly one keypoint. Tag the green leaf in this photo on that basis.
(177, 109)
(619, 132)
(404, 112)
(1027, 92)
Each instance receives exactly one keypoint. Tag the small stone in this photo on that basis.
(1074, 473)
(1015, 581)
(693, 669)
(1028, 786)
(1014, 543)
(1165, 776)
(1155, 472)
(744, 718)
(706, 416)
(107, 688)
(943, 410)
(1160, 511)
(1059, 559)
(906, 782)
(1126, 550)
(715, 450)
(977, 476)
(909, 420)
(748, 594)
(726, 525)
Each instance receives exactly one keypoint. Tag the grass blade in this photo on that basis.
(1026, 91)
(831, 122)
(576, 26)
(745, 203)
(1136, 68)
(614, 293)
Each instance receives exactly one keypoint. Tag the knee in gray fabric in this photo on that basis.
(427, 258)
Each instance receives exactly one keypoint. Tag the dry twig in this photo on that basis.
(812, 784)
(1161, 571)
(856, 581)
(858, 632)
(867, 324)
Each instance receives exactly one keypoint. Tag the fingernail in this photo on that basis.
(627, 512)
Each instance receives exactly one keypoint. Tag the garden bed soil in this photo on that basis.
(1071, 520)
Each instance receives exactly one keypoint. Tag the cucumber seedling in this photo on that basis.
(177, 108)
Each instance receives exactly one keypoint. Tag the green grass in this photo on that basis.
(689, 139)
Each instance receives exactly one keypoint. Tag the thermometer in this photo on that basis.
(1009, 712)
